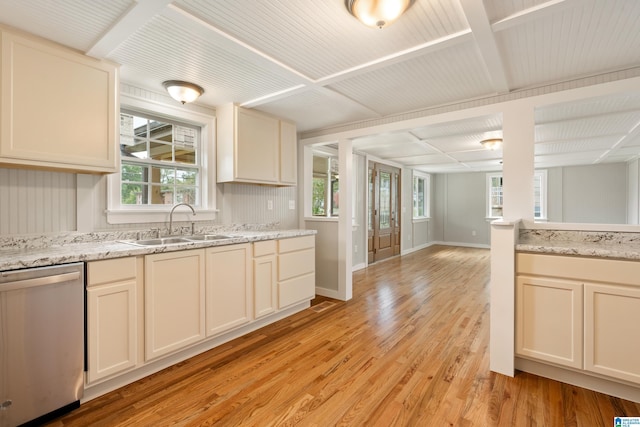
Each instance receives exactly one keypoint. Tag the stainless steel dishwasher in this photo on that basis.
(41, 343)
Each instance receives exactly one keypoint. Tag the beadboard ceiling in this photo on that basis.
(311, 62)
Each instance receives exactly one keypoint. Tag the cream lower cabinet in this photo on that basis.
(174, 301)
(549, 320)
(612, 331)
(296, 270)
(265, 284)
(228, 287)
(579, 312)
(113, 318)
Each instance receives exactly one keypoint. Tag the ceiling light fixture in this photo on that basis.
(377, 13)
(491, 143)
(183, 91)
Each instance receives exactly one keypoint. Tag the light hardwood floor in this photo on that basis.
(410, 349)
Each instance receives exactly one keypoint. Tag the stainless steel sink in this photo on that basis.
(200, 237)
(159, 242)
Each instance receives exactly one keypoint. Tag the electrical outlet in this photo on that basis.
(292, 204)
(269, 205)
(473, 233)
(355, 248)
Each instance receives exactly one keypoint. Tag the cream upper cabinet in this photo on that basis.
(58, 108)
(612, 333)
(229, 291)
(549, 320)
(265, 285)
(114, 316)
(174, 301)
(253, 147)
(296, 270)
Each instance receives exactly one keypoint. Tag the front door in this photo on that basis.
(384, 208)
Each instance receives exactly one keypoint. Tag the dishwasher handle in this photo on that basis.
(40, 281)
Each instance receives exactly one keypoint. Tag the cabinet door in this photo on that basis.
(228, 287)
(612, 335)
(257, 150)
(111, 329)
(174, 301)
(58, 107)
(288, 156)
(549, 320)
(264, 285)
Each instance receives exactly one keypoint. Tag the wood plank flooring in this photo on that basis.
(410, 349)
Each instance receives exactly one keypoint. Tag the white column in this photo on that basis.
(345, 226)
(518, 130)
(518, 171)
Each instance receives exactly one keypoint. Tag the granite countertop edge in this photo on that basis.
(20, 258)
(598, 250)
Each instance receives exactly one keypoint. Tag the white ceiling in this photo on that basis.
(311, 62)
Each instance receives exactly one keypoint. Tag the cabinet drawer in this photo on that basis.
(296, 244)
(268, 247)
(110, 270)
(296, 290)
(296, 264)
(577, 268)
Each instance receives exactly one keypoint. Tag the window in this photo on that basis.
(421, 186)
(494, 186)
(326, 185)
(163, 161)
(160, 161)
(495, 197)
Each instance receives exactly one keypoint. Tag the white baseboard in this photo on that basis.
(464, 245)
(359, 266)
(329, 293)
(417, 248)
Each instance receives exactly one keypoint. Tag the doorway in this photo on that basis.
(383, 212)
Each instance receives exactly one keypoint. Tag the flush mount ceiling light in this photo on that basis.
(491, 143)
(377, 13)
(183, 91)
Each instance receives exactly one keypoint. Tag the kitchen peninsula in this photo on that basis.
(577, 307)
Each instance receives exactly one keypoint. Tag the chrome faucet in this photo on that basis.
(171, 214)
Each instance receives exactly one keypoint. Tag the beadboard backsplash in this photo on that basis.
(38, 202)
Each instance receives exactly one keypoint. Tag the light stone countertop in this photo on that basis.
(77, 247)
(617, 245)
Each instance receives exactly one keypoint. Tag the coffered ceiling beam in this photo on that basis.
(137, 15)
(481, 28)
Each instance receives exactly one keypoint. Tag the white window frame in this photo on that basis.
(417, 175)
(538, 174)
(133, 214)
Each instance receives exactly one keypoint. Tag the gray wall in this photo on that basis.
(588, 194)
(633, 192)
(463, 209)
(326, 253)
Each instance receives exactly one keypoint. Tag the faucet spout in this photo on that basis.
(171, 214)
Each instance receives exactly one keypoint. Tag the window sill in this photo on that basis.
(136, 216)
(421, 219)
(321, 218)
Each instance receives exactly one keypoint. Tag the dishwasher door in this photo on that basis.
(41, 342)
